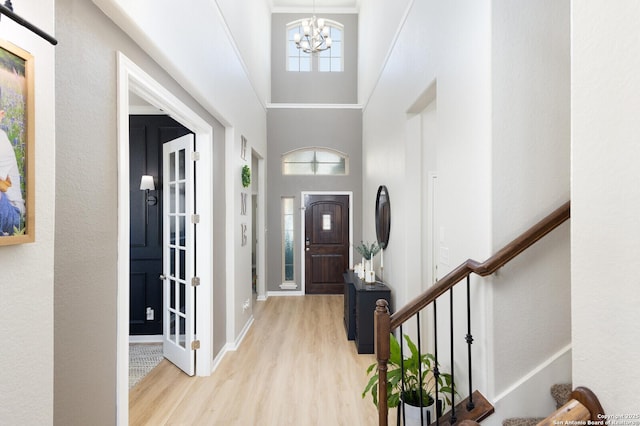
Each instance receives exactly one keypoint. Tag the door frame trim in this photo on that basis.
(131, 78)
(303, 231)
(261, 234)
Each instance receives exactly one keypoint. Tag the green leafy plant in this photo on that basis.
(368, 251)
(246, 176)
(410, 370)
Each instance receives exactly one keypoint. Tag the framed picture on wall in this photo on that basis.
(17, 186)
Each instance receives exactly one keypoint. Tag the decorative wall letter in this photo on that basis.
(243, 234)
(243, 147)
(243, 203)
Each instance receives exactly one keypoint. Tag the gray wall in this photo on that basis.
(289, 129)
(293, 128)
(314, 87)
(86, 210)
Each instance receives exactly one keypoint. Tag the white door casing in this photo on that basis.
(132, 79)
(178, 258)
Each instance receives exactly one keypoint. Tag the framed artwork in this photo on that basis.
(17, 185)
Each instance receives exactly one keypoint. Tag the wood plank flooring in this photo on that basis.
(294, 367)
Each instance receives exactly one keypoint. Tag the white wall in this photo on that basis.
(198, 52)
(253, 46)
(26, 287)
(530, 178)
(379, 22)
(501, 152)
(86, 224)
(605, 226)
(454, 50)
(201, 55)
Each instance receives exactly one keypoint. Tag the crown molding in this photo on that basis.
(313, 106)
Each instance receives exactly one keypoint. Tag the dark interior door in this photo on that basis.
(326, 243)
(147, 133)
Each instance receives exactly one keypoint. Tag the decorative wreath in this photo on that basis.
(246, 176)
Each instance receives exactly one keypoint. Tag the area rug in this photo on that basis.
(143, 357)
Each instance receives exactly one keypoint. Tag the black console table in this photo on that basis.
(359, 305)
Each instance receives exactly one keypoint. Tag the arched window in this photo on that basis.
(315, 161)
(329, 60)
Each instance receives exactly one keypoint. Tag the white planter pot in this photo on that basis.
(412, 415)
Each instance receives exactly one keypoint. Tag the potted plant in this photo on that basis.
(368, 250)
(410, 371)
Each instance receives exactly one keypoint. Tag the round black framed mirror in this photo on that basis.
(383, 216)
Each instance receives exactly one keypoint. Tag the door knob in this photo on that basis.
(162, 277)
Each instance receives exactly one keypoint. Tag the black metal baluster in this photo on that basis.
(436, 370)
(469, 338)
(453, 402)
(420, 368)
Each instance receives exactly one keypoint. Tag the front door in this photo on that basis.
(179, 253)
(326, 243)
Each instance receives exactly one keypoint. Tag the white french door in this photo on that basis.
(178, 257)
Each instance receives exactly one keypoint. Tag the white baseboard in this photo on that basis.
(235, 345)
(285, 293)
(262, 298)
(530, 396)
(231, 346)
(152, 338)
(289, 286)
(218, 359)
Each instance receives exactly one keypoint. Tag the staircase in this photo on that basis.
(474, 406)
(560, 393)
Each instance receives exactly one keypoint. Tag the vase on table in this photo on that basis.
(369, 274)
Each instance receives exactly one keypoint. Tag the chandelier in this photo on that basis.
(315, 35)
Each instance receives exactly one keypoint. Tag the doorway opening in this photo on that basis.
(423, 122)
(258, 227)
(149, 130)
(133, 80)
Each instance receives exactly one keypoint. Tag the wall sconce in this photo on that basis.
(146, 185)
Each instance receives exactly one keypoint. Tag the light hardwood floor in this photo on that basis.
(294, 367)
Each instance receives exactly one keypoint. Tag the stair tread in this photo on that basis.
(482, 409)
(561, 393)
(522, 421)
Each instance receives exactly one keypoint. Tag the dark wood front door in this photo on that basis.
(326, 243)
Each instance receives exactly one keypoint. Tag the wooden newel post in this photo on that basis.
(382, 330)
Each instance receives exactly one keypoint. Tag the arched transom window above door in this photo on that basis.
(315, 161)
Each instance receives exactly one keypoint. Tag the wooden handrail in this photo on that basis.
(385, 323)
(589, 399)
(488, 267)
(582, 407)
